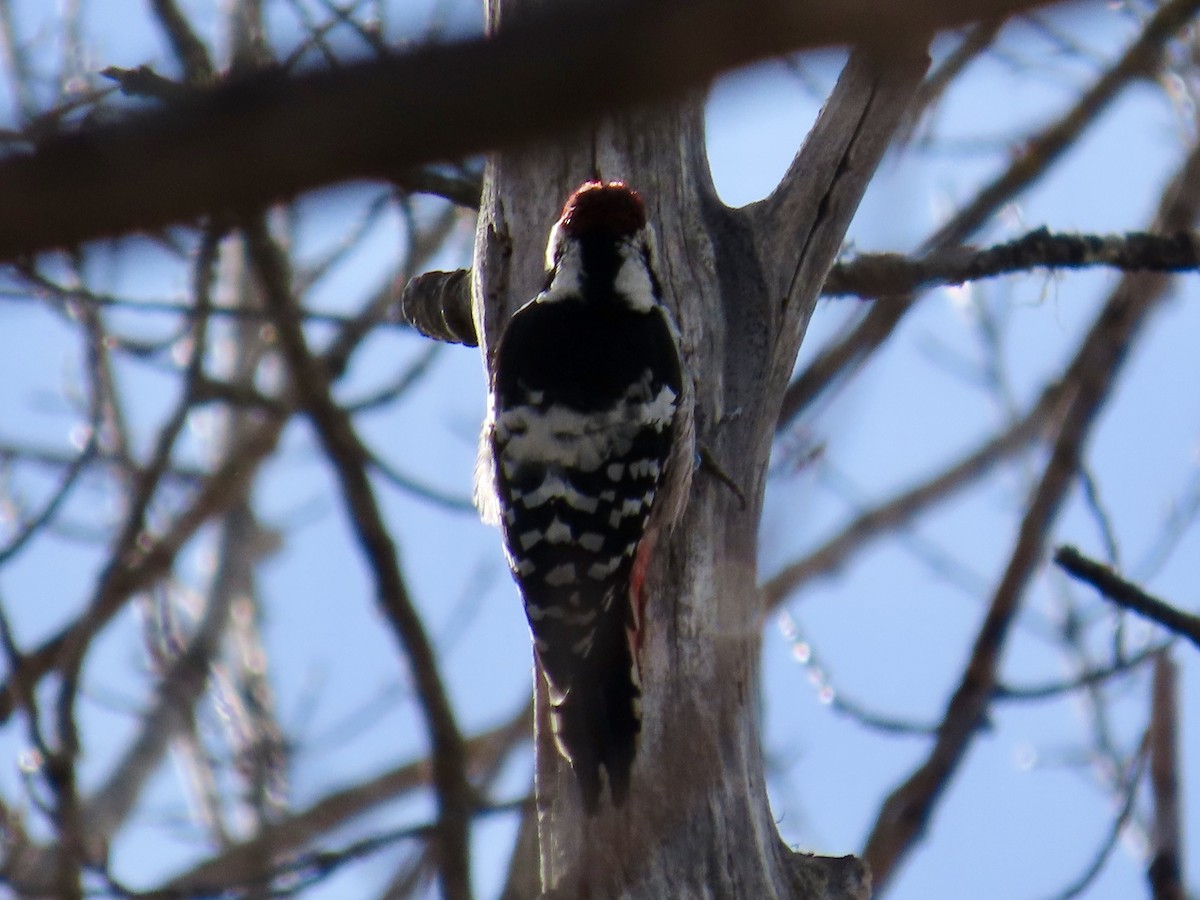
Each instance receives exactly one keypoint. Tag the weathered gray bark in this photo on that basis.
(742, 284)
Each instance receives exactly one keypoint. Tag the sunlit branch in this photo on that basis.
(1037, 155)
(872, 275)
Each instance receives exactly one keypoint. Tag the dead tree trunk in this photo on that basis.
(742, 284)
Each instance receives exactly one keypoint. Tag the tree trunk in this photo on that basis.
(742, 285)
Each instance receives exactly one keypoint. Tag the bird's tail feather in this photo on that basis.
(597, 718)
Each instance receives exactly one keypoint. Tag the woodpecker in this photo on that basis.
(586, 457)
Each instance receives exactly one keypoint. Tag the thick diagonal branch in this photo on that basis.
(242, 146)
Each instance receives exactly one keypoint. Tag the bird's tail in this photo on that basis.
(597, 717)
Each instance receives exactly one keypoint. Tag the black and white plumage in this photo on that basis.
(588, 449)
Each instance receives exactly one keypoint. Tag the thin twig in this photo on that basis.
(885, 518)
(1129, 791)
(1127, 594)
(349, 459)
(1037, 155)
(1090, 678)
(1092, 375)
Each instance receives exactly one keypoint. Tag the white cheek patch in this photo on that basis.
(633, 278)
(567, 269)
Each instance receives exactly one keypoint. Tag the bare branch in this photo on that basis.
(973, 44)
(350, 459)
(1088, 679)
(277, 840)
(234, 147)
(894, 275)
(1038, 153)
(1129, 791)
(1127, 594)
(149, 560)
(1092, 374)
(189, 50)
(1166, 863)
(893, 514)
(74, 468)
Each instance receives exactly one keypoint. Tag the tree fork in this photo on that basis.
(742, 284)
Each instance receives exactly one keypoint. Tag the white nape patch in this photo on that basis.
(591, 541)
(633, 277)
(555, 487)
(565, 261)
(633, 282)
(559, 532)
(561, 575)
(554, 245)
